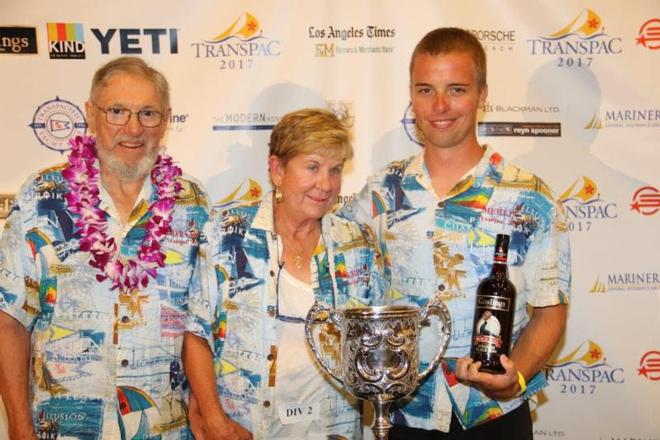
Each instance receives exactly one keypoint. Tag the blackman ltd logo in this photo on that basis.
(240, 45)
(649, 365)
(646, 200)
(583, 371)
(627, 282)
(56, 121)
(625, 118)
(577, 43)
(66, 41)
(649, 34)
(18, 40)
(584, 205)
(331, 40)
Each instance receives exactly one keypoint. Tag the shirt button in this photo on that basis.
(272, 273)
(266, 403)
(441, 205)
(271, 311)
(125, 319)
(269, 357)
(124, 363)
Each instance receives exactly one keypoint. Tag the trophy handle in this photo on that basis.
(326, 313)
(437, 305)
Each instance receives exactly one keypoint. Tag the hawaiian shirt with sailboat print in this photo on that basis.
(236, 311)
(433, 246)
(105, 364)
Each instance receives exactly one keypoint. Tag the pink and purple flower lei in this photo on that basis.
(82, 175)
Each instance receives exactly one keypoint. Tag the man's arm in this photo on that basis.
(535, 345)
(14, 377)
(198, 364)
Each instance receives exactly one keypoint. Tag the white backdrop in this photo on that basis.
(573, 96)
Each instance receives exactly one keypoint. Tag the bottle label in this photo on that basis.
(494, 303)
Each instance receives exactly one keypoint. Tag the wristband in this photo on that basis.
(522, 383)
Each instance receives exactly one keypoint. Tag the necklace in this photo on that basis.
(82, 174)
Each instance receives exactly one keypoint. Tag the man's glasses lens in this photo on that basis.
(121, 116)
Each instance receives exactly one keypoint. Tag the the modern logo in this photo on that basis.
(137, 41)
(626, 281)
(18, 40)
(649, 365)
(331, 41)
(577, 43)
(646, 200)
(56, 121)
(583, 370)
(649, 34)
(240, 45)
(496, 40)
(625, 118)
(585, 206)
(6, 202)
(66, 41)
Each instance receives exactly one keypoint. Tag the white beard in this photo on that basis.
(125, 171)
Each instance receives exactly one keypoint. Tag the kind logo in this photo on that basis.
(66, 40)
(238, 46)
(576, 43)
(582, 370)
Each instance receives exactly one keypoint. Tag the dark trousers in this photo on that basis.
(516, 425)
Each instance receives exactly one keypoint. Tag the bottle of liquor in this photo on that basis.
(493, 313)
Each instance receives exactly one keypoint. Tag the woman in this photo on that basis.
(264, 266)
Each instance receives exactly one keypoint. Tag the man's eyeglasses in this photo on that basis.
(121, 116)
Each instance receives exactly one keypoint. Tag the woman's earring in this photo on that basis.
(279, 197)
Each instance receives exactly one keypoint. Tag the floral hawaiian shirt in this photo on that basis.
(105, 364)
(433, 246)
(236, 311)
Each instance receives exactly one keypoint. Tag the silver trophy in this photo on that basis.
(380, 351)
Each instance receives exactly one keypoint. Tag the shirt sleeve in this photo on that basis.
(19, 291)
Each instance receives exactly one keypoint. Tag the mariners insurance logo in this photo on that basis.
(626, 281)
(239, 46)
(56, 121)
(584, 205)
(577, 43)
(583, 370)
(625, 118)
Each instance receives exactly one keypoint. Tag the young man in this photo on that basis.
(95, 264)
(437, 215)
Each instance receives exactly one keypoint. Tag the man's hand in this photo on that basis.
(224, 428)
(496, 386)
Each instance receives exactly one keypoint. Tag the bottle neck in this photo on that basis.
(499, 269)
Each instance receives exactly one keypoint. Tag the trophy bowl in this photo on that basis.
(380, 351)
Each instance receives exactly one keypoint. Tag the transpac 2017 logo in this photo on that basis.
(583, 370)
(577, 43)
(584, 205)
(56, 121)
(240, 45)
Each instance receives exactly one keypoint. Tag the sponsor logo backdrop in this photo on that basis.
(573, 97)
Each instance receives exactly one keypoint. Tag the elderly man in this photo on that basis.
(96, 260)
